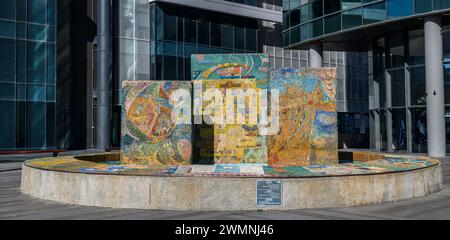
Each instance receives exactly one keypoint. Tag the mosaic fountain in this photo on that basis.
(286, 160)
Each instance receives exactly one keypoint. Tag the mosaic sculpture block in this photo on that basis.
(148, 134)
(308, 118)
(232, 143)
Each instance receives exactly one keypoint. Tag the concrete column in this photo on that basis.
(104, 77)
(435, 87)
(374, 104)
(409, 137)
(389, 131)
(315, 55)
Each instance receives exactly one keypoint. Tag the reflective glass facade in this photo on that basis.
(398, 90)
(27, 74)
(317, 18)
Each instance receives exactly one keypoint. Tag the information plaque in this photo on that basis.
(269, 192)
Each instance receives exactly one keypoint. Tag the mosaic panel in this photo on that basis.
(149, 136)
(308, 118)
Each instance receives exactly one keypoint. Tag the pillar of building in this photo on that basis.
(374, 104)
(434, 87)
(104, 77)
(316, 55)
(388, 114)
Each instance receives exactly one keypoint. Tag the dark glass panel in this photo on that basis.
(239, 38)
(418, 86)
(170, 28)
(399, 129)
(7, 60)
(216, 35)
(317, 28)
(374, 13)
(37, 11)
(51, 125)
(20, 125)
(352, 18)
(419, 129)
(398, 87)
(8, 123)
(8, 9)
(441, 4)
(416, 47)
(51, 59)
(22, 10)
(21, 61)
(251, 40)
(51, 12)
(399, 8)
(331, 6)
(396, 50)
(203, 33)
(316, 9)
(36, 62)
(35, 122)
(332, 23)
(304, 32)
(36, 93)
(294, 16)
(295, 35)
(37, 32)
(347, 4)
(304, 13)
(227, 37)
(7, 91)
(422, 6)
(190, 30)
(7, 29)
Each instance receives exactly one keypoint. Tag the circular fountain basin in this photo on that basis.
(100, 180)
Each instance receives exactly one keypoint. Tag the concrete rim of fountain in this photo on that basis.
(99, 180)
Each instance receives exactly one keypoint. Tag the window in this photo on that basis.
(399, 8)
(331, 6)
(316, 8)
(441, 4)
(7, 60)
(170, 28)
(374, 13)
(7, 29)
(8, 9)
(418, 86)
(36, 11)
(227, 37)
(251, 40)
(333, 23)
(239, 38)
(416, 47)
(396, 50)
(203, 33)
(295, 35)
(347, 4)
(294, 17)
(352, 18)
(190, 30)
(7, 121)
(304, 13)
(317, 28)
(35, 122)
(216, 35)
(398, 87)
(422, 6)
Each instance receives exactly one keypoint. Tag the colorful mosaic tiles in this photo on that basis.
(308, 118)
(389, 164)
(232, 143)
(149, 136)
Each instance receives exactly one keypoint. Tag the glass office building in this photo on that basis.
(395, 34)
(27, 74)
